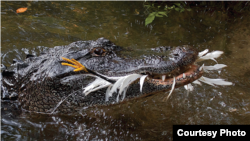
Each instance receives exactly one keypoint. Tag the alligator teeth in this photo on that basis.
(190, 76)
(169, 75)
(163, 77)
(184, 76)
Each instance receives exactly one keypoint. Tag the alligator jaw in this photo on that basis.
(191, 74)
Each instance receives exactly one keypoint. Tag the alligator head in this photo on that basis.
(44, 85)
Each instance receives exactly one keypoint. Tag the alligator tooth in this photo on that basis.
(169, 75)
(190, 76)
(190, 67)
(163, 77)
(184, 76)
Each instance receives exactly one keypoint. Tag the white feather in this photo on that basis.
(122, 83)
(215, 67)
(214, 82)
(211, 55)
(189, 87)
(114, 78)
(197, 82)
(124, 93)
(201, 67)
(117, 84)
(98, 88)
(202, 79)
(96, 85)
(203, 52)
(171, 88)
(142, 81)
(128, 80)
(186, 87)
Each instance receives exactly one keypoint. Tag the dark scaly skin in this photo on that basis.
(42, 82)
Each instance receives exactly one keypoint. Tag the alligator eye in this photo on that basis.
(98, 51)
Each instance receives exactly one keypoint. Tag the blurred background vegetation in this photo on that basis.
(162, 8)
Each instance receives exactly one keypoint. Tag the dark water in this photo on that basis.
(51, 24)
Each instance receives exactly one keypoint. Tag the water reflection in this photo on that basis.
(49, 24)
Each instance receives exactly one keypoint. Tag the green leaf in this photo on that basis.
(177, 9)
(147, 6)
(28, 4)
(152, 14)
(182, 10)
(150, 18)
(171, 7)
(163, 13)
(157, 15)
(188, 9)
(178, 4)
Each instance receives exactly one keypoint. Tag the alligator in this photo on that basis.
(46, 84)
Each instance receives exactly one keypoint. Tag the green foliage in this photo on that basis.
(150, 18)
(159, 11)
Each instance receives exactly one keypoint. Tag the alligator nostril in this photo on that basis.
(176, 56)
(30, 55)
